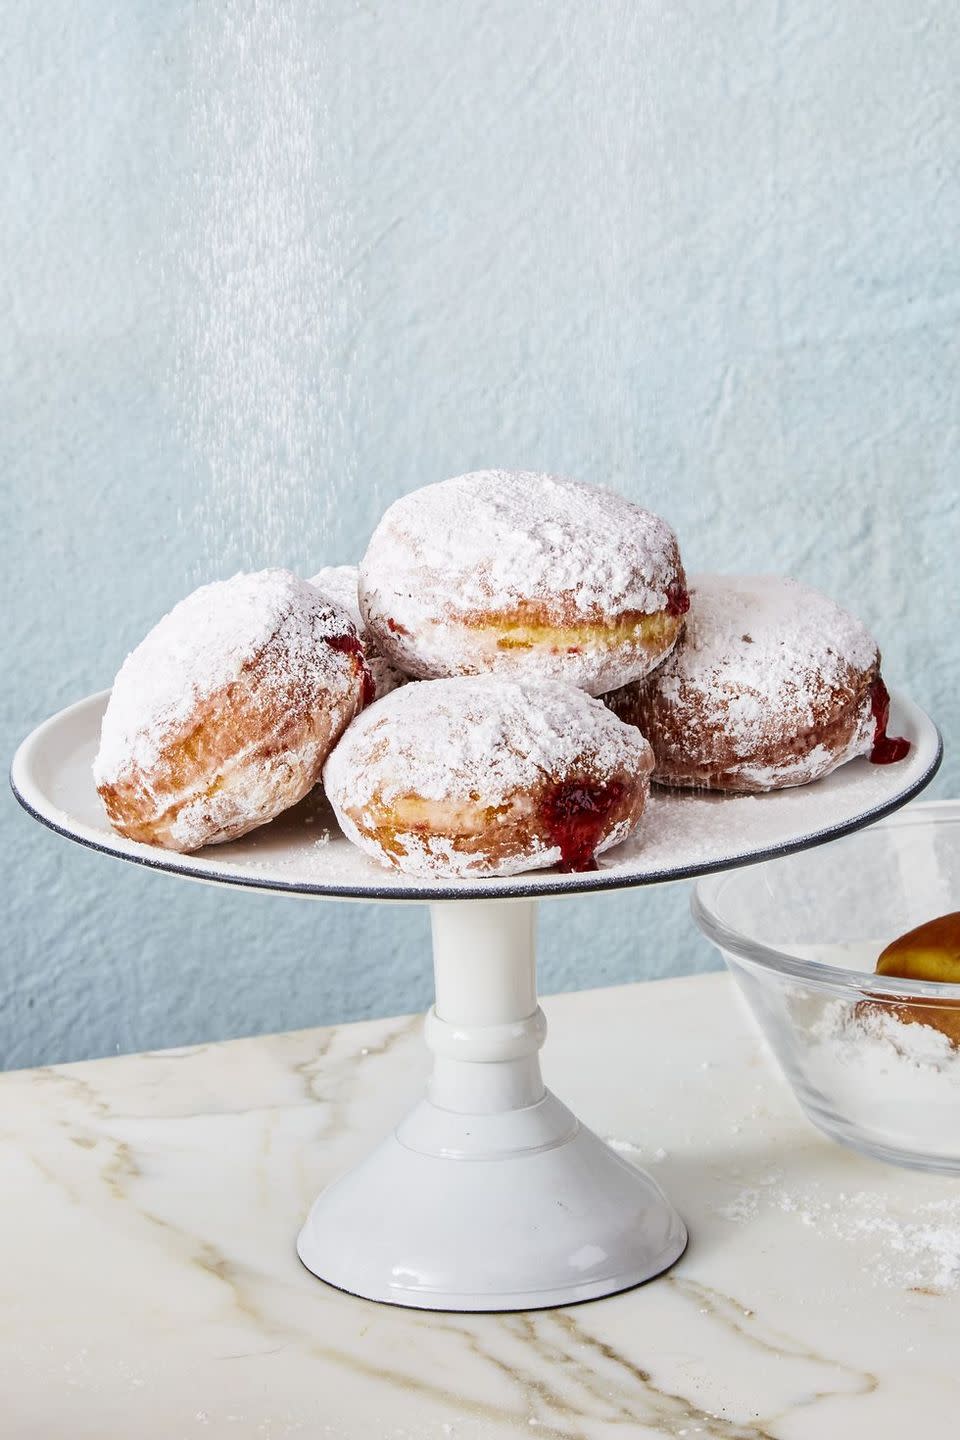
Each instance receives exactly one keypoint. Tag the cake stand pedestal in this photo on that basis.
(490, 1194)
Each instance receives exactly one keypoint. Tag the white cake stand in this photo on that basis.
(490, 1195)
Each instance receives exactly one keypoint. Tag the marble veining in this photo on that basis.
(149, 1284)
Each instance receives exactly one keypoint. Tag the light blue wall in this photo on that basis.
(263, 268)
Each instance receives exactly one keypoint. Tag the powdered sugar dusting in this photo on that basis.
(501, 536)
(443, 739)
(339, 583)
(763, 642)
(202, 645)
(897, 1082)
(915, 1244)
(496, 542)
(771, 685)
(815, 763)
(874, 1030)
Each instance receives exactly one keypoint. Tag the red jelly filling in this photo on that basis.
(575, 817)
(350, 645)
(678, 600)
(887, 749)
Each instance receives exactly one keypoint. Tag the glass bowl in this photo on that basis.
(873, 1060)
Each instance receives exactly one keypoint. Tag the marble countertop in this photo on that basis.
(149, 1285)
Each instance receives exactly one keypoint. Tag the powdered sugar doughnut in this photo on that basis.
(772, 685)
(523, 574)
(223, 716)
(487, 776)
(339, 584)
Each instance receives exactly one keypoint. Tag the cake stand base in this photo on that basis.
(490, 1195)
(494, 1217)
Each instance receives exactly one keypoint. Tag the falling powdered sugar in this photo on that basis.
(259, 247)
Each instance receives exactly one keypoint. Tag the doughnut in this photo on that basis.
(772, 685)
(223, 715)
(929, 952)
(523, 574)
(482, 775)
(339, 584)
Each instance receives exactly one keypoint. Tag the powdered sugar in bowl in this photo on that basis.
(874, 1060)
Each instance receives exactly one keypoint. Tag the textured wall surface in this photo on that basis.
(265, 266)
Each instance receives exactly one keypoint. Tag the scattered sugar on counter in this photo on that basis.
(916, 1250)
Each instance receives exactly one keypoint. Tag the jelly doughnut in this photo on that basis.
(223, 715)
(523, 574)
(481, 775)
(339, 584)
(772, 685)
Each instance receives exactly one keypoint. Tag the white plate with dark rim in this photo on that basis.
(682, 834)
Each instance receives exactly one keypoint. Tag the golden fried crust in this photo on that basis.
(557, 628)
(551, 635)
(248, 752)
(485, 838)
